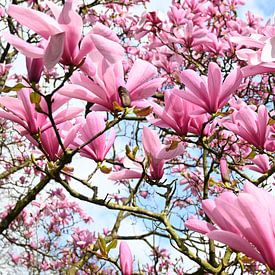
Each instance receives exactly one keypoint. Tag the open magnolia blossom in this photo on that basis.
(62, 35)
(103, 89)
(260, 60)
(98, 148)
(157, 154)
(24, 112)
(211, 93)
(163, 105)
(252, 126)
(49, 143)
(177, 114)
(246, 222)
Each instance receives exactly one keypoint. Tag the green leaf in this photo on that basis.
(102, 246)
(112, 245)
(35, 98)
(15, 88)
(252, 154)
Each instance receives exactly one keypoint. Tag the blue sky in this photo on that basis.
(264, 8)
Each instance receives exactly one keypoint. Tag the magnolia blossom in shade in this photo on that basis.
(260, 164)
(157, 153)
(210, 93)
(103, 89)
(252, 126)
(125, 258)
(224, 170)
(63, 35)
(23, 112)
(246, 222)
(99, 147)
(34, 68)
(49, 142)
(176, 114)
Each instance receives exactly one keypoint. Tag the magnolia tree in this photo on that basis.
(173, 112)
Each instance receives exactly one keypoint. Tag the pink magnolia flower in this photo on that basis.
(49, 141)
(23, 112)
(224, 169)
(99, 147)
(83, 238)
(260, 164)
(125, 256)
(190, 35)
(103, 89)
(250, 125)
(34, 68)
(177, 15)
(63, 35)
(210, 93)
(260, 60)
(144, 193)
(157, 153)
(131, 170)
(149, 21)
(35, 65)
(176, 114)
(15, 258)
(246, 222)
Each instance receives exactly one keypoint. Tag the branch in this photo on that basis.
(15, 169)
(21, 204)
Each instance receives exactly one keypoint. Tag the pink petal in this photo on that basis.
(39, 22)
(151, 142)
(71, 22)
(235, 242)
(214, 82)
(247, 41)
(25, 48)
(145, 90)
(14, 105)
(262, 236)
(252, 70)
(199, 226)
(104, 31)
(230, 85)
(112, 51)
(91, 86)
(167, 154)
(67, 114)
(268, 51)
(125, 174)
(71, 135)
(77, 91)
(126, 261)
(54, 50)
(13, 118)
(141, 72)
